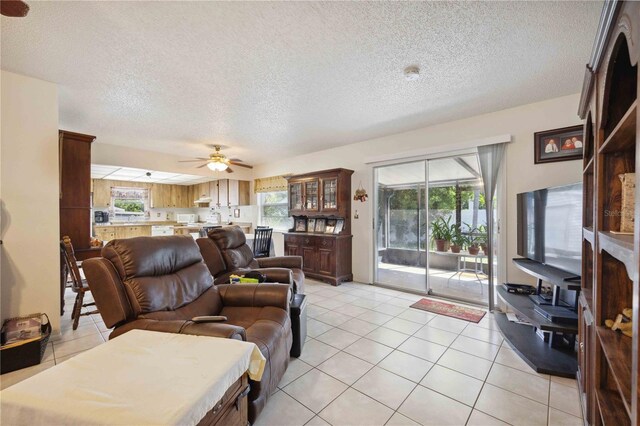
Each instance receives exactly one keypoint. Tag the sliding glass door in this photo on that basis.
(419, 203)
(401, 225)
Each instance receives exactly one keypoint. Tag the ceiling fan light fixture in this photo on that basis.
(217, 166)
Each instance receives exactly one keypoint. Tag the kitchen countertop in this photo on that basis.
(175, 225)
(145, 223)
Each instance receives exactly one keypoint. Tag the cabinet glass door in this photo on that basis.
(311, 195)
(329, 194)
(295, 196)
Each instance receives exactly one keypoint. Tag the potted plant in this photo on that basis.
(482, 238)
(473, 245)
(457, 239)
(473, 241)
(441, 233)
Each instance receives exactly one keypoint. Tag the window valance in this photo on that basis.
(270, 184)
(129, 193)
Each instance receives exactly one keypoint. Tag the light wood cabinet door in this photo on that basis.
(233, 194)
(180, 196)
(101, 193)
(202, 190)
(104, 233)
(244, 193)
(159, 198)
(214, 193)
(223, 192)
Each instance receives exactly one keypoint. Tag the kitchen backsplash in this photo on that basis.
(247, 214)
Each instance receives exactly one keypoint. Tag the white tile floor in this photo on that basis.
(371, 360)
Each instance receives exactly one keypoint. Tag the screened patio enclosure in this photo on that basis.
(410, 197)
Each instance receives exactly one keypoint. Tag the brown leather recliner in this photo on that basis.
(160, 283)
(226, 252)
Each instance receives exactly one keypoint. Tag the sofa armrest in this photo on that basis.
(228, 331)
(255, 295)
(291, 262)
(108, 291)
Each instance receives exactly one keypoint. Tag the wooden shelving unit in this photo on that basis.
(587, 234)
(617, 349)
(611, 409)
(608, 361)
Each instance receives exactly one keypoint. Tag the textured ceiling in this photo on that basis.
(275, 79)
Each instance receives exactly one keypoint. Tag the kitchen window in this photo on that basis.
(129, 204)
(274, 210)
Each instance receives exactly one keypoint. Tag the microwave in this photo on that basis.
(101, 217)
(186, 218)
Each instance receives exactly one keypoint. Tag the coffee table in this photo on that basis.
(141, 377)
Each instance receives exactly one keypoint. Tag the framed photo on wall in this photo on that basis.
(558, 145)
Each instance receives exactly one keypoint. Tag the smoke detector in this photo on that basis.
(412, 73)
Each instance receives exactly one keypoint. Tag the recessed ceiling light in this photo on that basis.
(412, 73)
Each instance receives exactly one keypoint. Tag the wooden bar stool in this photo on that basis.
(78, 284)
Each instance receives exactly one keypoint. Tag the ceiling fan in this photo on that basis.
(14, 8)
(219, 162)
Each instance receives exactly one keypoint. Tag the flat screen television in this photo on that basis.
(550, 226)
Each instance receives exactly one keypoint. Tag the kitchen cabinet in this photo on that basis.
(180, 196)
(105, 233)
(161, 195)
(232, 192)
(110, 232)
(101, 193)
(201, 190)
(223, 193)
(167, 196)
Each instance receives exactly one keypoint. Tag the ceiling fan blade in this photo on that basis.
(240, 164)
(235, 159)
(14, 8)
(193, 161)
(228, 170)
(199, 167)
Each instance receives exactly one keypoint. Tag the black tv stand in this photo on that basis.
(556, 356)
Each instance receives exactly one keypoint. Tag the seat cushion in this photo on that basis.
(270, 329)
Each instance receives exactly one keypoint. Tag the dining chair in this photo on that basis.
(78, 284)
(262, 242)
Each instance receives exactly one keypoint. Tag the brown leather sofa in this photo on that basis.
(226, 252)
(160, 283)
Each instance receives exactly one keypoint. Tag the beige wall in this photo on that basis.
(29, 194)
(521, 174)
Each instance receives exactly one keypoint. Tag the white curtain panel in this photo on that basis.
(490, 157)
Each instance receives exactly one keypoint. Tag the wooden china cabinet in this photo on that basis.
(608, 361)
(320, 202)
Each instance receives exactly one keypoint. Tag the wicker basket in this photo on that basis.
(25, 355)
(627, 216)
